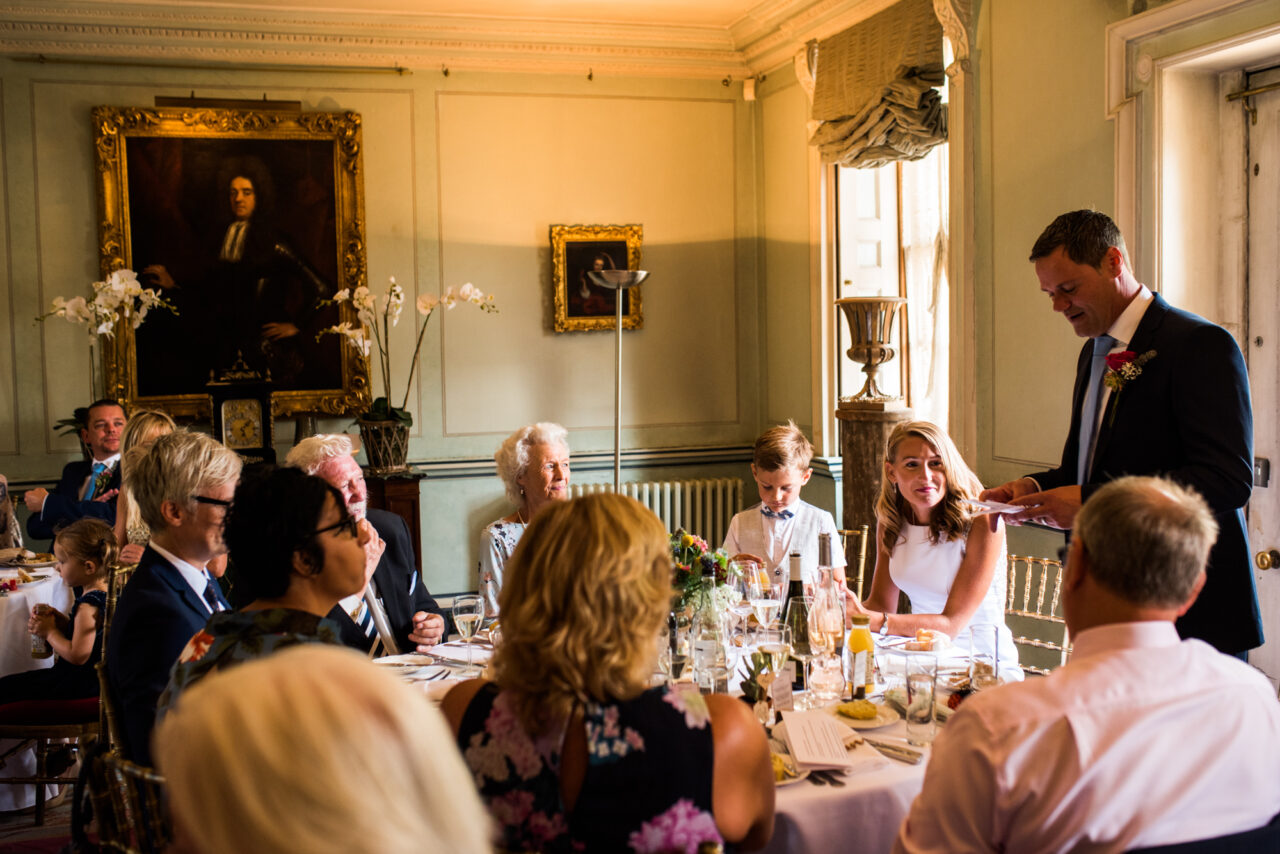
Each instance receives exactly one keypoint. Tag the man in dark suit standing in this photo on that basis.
(1158, 391)
(183, 487)
(87, 487)
(415, 620)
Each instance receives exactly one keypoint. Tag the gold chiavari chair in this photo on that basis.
(855, 556)
(1038, 600)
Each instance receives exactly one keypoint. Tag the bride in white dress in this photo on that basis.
(929, 546)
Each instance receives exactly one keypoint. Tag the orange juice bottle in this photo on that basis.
(860, 658)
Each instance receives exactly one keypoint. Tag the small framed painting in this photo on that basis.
(576, 250)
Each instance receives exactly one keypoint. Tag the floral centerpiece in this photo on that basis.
(384, 427)
(693, 559)
(119, 297)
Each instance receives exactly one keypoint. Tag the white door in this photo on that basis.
(1264, 353)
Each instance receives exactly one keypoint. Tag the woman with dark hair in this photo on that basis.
(296, 552)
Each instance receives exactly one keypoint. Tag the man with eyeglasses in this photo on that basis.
(414, 620)
(183, 487)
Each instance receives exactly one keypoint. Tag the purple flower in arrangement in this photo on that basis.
(683, 827)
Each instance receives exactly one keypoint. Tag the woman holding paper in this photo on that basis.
(929, 547)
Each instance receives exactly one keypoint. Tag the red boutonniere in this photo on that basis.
(1123, 368)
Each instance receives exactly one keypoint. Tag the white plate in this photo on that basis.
(885, 715)
(406, 660)
(43, 564)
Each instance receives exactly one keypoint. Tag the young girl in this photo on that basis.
(84, 549)
(931, 547)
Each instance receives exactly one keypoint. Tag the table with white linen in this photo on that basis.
(15, 657)
(864, 815)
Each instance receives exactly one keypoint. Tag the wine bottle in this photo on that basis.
(799, 622)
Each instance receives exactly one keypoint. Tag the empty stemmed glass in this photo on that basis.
(737, 581)
(468, 611)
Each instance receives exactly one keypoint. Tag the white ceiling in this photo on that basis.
(698, 13)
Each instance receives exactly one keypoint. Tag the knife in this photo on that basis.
(895, 751)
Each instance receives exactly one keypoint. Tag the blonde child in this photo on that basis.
(84, 550)
(781, 523)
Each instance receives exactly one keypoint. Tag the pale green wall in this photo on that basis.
(1045, 146)
(463, 176)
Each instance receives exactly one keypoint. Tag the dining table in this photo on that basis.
(863, 814)
(15, 657)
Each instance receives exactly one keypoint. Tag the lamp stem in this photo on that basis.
(617, 397)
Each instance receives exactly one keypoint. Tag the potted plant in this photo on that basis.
(384, 429)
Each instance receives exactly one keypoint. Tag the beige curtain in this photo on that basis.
(874, 93)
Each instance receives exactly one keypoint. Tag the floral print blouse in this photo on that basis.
(497, 542)
(647, 786)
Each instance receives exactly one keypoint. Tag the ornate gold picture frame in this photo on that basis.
(244, 219)
(578, 249)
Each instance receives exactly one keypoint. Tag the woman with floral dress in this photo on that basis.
(569, 749)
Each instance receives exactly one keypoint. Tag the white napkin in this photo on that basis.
(457, 651)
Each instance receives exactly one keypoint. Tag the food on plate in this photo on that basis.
(781, 771)
(928, 640)
(861, 710)
(24, 577)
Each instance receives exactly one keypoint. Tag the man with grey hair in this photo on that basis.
(1142, 739)
(183, 486)
(415, 620)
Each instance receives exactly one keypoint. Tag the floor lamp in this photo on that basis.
(619, 281)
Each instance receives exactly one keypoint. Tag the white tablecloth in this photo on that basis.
(15, 657)
(862, 816)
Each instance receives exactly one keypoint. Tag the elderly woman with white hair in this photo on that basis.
(314, 749)
(533, 463)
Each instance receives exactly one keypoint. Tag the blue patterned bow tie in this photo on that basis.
(781, 514)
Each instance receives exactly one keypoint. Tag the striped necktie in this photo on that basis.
(213, 596)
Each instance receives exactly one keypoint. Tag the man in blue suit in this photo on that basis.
(415, 620)
(184, 486)
(87, 487)
(1158, 391)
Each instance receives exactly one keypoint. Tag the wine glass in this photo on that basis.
(736, 580)
(797, 619)
(775, 645)
(826, 627)
(468, 611)
(766, 601)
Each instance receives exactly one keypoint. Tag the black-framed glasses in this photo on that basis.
(349, 522)
(216, 502)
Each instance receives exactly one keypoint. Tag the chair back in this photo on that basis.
(1034, 601)
(108, 725)
(1265, 838)
(132, 817)
(855, 557)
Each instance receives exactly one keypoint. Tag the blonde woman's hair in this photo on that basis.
(585, 593)
(143, 427)
(177, 466)
(315, 749)
(782, 447)
(89, 539)
(512, 455)
(951, 519)
(311, 452)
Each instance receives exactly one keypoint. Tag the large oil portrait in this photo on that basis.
(576, 250)
(245, 220)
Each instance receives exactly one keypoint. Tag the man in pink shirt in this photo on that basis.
(1141, 739)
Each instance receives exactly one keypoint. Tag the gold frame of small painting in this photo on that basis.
(577, 249)
(163, 177)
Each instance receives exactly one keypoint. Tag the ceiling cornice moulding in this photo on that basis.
(767, 36)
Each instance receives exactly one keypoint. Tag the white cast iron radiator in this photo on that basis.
(703, 507)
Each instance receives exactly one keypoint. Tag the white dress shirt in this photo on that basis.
(1141, 739)
(197, 577)
(774, 538)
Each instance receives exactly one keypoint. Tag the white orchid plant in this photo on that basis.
(120, 296)
(378, 316)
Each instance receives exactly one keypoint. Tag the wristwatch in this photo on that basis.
(884, 624)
